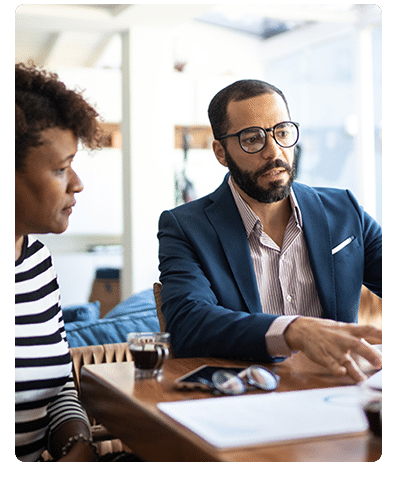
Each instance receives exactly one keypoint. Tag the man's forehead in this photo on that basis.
(258, 102)
(258, 107)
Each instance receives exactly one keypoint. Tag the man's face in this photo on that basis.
(265, 176)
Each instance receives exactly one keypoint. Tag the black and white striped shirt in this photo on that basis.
(45, 396)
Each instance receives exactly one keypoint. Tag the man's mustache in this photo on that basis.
(272, 165)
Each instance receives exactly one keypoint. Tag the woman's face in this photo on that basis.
(46, 185)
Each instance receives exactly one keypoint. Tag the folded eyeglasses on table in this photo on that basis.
(231, 383)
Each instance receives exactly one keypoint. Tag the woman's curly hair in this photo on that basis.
(42, 101)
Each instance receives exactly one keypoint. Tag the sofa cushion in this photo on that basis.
(138, 302)
(137, 313)
(81, 312)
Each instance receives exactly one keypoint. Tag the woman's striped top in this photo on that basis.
(45, 396)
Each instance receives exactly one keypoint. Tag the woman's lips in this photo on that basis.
(67, 211)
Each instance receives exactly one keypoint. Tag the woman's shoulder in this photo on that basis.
(33, 253)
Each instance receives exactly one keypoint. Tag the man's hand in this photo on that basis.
(331, 343)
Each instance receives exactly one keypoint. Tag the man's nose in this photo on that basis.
(271, 149)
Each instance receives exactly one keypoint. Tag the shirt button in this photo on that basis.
(289, 298)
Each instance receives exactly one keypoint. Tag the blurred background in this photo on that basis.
(151, 71)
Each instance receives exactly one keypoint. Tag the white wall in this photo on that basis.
(162, 98)
(219, 58)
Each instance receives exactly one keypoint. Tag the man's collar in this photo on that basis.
(250, 218)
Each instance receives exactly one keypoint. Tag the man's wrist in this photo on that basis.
(292, 334)
(276, 344)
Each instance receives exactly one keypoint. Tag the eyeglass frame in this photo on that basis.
(271, 129)
(242, 377)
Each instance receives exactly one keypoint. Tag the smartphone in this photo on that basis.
(201, 378)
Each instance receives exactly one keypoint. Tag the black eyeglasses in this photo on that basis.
(253, 139)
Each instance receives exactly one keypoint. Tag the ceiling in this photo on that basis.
(83, 35)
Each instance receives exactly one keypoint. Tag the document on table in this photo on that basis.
(375, 381)
(229, 422)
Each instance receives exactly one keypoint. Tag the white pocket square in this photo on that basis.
(343, 244)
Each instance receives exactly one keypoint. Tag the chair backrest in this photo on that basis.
(98, 354)
(370, 310)
(157, 298)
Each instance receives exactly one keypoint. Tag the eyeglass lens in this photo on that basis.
(232, 384)
(262, 378)
(254, 139)
(228, 383)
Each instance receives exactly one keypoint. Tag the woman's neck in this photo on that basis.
(18, 246)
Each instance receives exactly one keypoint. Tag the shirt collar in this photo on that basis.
(251, 219)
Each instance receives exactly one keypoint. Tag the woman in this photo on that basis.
(50, 120)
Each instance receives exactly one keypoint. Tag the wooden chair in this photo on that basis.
(370, 310)
(157, 298)
(99, 354)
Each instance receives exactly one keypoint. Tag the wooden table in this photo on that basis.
(127, 408)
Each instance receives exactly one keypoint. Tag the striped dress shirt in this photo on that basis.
(285, 280)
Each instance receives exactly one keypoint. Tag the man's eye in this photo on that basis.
(251, 138)
(284, 133)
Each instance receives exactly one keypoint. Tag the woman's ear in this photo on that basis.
(219, 152)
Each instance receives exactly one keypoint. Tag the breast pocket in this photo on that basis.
(343, 246)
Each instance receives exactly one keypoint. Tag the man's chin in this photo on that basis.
(266, 186)
(273, 193)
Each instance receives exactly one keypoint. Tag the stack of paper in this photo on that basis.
(262, 418)
(375, 381)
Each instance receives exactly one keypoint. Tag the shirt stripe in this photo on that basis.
(45, 396)
(285, 280)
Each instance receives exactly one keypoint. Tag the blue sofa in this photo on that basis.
(84, 327)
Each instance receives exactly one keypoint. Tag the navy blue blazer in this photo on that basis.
(210, 298)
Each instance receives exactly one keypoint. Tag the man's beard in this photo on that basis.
(248, 181)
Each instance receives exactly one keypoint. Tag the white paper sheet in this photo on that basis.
(375, 381)
(228, 422)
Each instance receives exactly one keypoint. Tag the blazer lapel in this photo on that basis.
(226, 220)
(318, 241)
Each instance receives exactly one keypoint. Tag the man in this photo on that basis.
(265, 266)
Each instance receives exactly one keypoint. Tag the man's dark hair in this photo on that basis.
(43, 102)
(240, 90)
